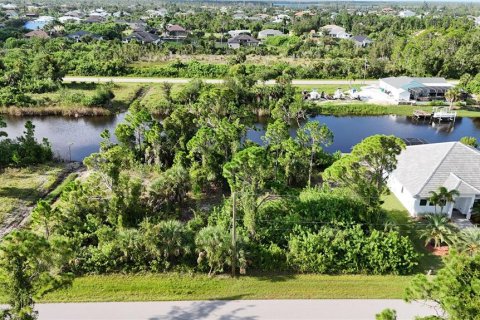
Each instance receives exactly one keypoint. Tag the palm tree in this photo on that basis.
(437, 229)
(452, 95)
(442, 197)
(468, 240)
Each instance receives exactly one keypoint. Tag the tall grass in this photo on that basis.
(55, 111)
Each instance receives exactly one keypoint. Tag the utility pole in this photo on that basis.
(365, 70)
(70, 151)
(234, 233)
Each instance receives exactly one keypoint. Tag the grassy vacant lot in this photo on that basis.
(21, 188)
(57, 103)
(157, 287)
(409, 227)
(154, 96)
(369, 109)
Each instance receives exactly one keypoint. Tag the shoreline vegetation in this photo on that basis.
(369, 109)
(80, 100)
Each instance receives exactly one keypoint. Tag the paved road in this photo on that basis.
(214, 81)
(233, 310)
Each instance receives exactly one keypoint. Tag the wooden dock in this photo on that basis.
(442, 114)
(438, 114)
(420, 114)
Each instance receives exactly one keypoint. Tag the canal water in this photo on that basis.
(79, 137)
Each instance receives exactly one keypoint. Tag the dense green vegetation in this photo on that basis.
(25, 150)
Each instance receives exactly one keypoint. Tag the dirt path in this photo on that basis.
(20, 216)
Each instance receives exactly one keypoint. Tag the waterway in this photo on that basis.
(76, 138)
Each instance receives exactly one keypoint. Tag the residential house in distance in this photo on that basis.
(82, 35)
(262, 16)
(120, 14)
(11, 14)
(37, 34)
(419, 89)
(175, 32)
(9, 6)
(74, 13)
(95, 19)
(335, 31)
(388, 10)
(406, 14)
(426, 167)
(162, 12)
(71, 19)
(239, 16)
(138, 25)
(143, 37)
(280, 18)
(269, 33)
(362, 41)
(304, 13)
(234, 33)
(242, 40)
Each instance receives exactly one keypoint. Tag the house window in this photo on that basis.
(423, 202)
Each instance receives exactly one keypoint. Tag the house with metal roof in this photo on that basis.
(269, 33)
(142, 37)
(361, 41)
(175, 32)
(82, 35)
(242, 40)
(418, 89)
(424, 168)
(37, 34)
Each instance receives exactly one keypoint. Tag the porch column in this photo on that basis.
(450, 206)
(470, 206)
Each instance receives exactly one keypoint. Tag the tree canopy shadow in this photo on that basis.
(277, 277)
(204, 310)
(18, 193)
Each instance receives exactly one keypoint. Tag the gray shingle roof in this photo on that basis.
(424, 168)
(243, 38)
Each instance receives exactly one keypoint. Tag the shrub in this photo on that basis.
(351, 251)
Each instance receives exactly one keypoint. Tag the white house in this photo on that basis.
(269, 33)
(234, 33)
(335, 31)
(477, 21)
(362, 41)
(426, 167)
(408, 88)
(280, 18)
(406, 14)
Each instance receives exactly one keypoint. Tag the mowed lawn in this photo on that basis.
(158, 287)
(22, 187)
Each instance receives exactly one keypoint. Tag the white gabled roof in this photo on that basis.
(425, 168)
